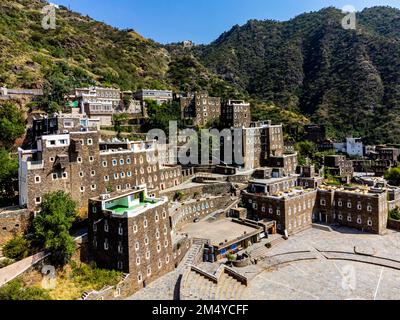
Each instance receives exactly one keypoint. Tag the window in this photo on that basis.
(93, 187)
(89, 142)
(54, 176)
(135, 228)
(129, 174)
(149, 271)
(349, 205)
(106, 244)
(359, 221)
(106, 178)
(157, 218)
(166, 243)
(105, 226)
(93, 173)
(51, 159)
(91, 159)
(118, 188)
(114, 163)
(38, 200)
(81, 174)
(104, 164)
(120, 247)
(359, 206)
(128, 161)
(79, 159)
(369, 208)
(148, 255)
(146, 241)
(159, 264)
(263, 209)
(122, 175)
(137, 246)
(139, 277)
(121, 161)
(65, 175)
(82, 189)
(138, 261)
(116, 176)
(340, 217)
(369, 222)
(278, 212)
(323, 202)
(120, 229)
(37, 179)
(158, 234)
(167, 259)
(340, 203)
(349, 218)
(145, 223)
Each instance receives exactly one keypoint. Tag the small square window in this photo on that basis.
(104, 164)
(91, 159)
(93, 187)
(38, 200)
(54, 176)
(65, 175)
(89, 142)
(79, 159)
(38, 179)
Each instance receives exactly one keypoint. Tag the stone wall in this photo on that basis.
(13, 221)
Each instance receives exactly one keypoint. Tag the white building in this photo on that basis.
(352, 147)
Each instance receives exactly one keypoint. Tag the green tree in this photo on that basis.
(52, 226)
(17, 248)
(118, 120)
(395, 214)
(14, 290)
(12, 124)
(393, 176)
(8, 177)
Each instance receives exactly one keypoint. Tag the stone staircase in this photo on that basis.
(197, 286)
(191, 256)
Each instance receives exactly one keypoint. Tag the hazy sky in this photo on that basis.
(201, 21)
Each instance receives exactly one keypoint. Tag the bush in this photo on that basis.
(17, 248)
(5, 262)
(90, 276)
(15, 290)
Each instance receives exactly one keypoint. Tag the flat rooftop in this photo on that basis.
(218, 231)
(272, 180)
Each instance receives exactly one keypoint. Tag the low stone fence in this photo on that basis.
(393, 224)
(180, 249)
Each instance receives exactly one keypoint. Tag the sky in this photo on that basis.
(200, 21)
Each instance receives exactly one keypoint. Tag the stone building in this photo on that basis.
(365, 210)
(314, 133)
(82, 165)
(236, 114)
(160, 96)
(339, 167)
(292, 209)
(200, 108)
(130, 232)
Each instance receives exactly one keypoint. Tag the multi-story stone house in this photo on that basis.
(80, 164)
(236, 114)
(130, 232)
(292, 210)
(160, 96)
(314, 133)
(200, 108)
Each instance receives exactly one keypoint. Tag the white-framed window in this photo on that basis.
(106, 178)
(120, 247)
(51, 159)
(349, 218)
(158, 247)
(54, 176)
(79, 159)
(121, 161)
(94, 209)
(369, 222)
(92, 173)
(135, 228)
(82, 189)
(119, 188)
(137, 246)
(148, 271)
(65, 175)
(114, 162)
(323, 202)
(105, 226)
(278, 212)
(340, 217)
(116, 176)
(89, 142)
(159, 264)
(105, 244)
(340, 203)
(157, 234)
(38, 200)
(120, 229)
(369, 208)
(148, 255)
(157, 218)
(359, 221)
(146, 241)
(38, 179)
(93, 187)
(91, 159)
(145, 224)
(359, 207)
(138, 261)
(122, 175)
(349, 205)
(128, 161)
(81, 174)
(167, 259)
(166, 243)
(104, 164)
(139, 277)
(129, 174)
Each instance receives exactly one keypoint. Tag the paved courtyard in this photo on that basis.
(314, 264)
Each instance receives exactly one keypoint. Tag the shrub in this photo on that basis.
(395, 214)
(17, 248)
(5, 262)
